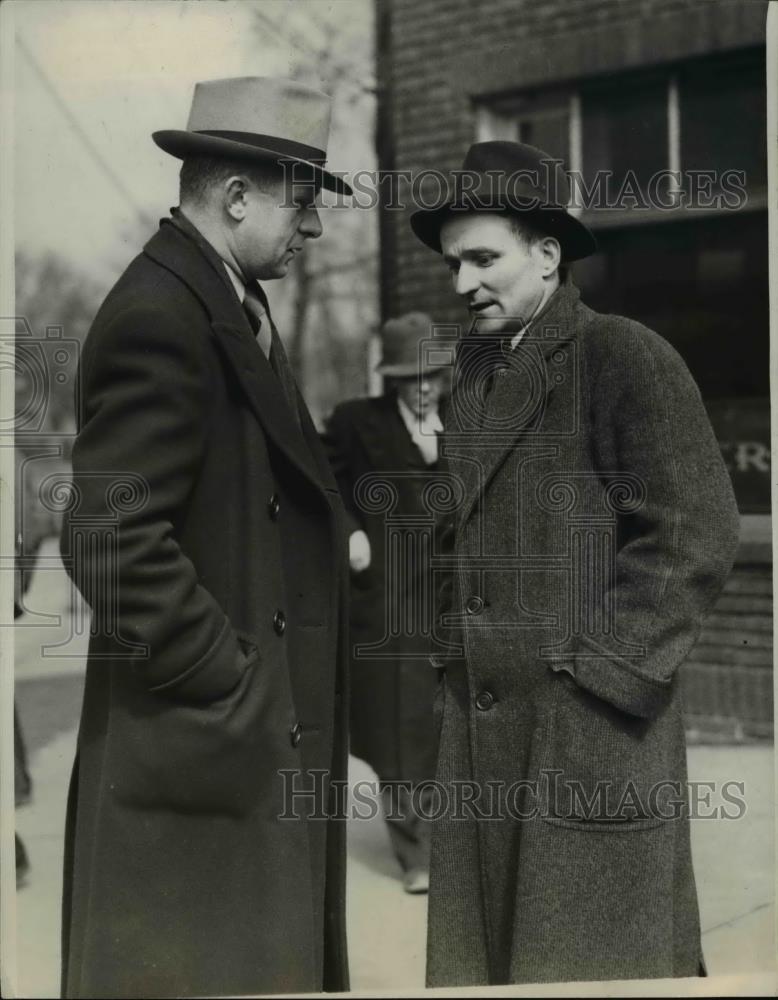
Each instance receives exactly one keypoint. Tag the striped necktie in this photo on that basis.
(268, 339)
(258, 318)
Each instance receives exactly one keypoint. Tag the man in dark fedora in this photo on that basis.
(596, 528)
(384, 453)
(206, 532)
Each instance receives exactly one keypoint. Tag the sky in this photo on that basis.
(120, 70)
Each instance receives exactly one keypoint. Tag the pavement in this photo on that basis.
(733, 858)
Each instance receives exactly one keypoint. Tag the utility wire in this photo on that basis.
(97, 156)
(338, 69)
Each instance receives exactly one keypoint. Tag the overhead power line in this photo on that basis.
(77, 128)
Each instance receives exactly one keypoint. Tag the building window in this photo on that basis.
(697, 276)
(706, 116)
(544, 123)
(723, 118)
(625, 131)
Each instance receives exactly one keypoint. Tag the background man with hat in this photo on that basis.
(596, 529)
(206, 533)
(388, 447)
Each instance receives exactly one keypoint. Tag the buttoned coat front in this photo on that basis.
(206, 533)
(596, 524)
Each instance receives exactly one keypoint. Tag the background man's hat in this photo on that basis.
(258, 118)
(402, 339)
(500, 175)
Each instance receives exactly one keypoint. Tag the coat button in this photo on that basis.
(274, 507)
(296, 734)
(484, 701)
(279, 622)
(474, 606)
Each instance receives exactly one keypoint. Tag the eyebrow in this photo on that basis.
(470, 252)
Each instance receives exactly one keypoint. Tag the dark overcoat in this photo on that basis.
(596, 526)
(383, 477)
(206, 533)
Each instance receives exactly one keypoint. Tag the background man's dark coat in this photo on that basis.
(391, 696)
(207, 536)
(595, 423)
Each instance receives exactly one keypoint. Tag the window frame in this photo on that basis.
(500, 117)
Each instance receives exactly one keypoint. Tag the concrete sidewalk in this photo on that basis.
(733, 858)
(733, 861)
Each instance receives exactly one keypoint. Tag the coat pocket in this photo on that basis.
(214, 758)
(604, 770)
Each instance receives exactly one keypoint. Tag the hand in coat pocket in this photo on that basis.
(606, 770)
(201, 758)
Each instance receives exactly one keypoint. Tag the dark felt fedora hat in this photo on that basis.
(402, 338)
(499, 176)
(258, 118)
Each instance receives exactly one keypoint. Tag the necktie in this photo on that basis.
(485, 357)
(280, 365)
(257, 314)
(268, 339)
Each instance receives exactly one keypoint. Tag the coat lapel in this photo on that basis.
(480, 435)
(175, 250)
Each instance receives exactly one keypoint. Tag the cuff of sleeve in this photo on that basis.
(214, 675)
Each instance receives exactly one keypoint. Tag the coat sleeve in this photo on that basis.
(339, 445)
(145, 388)
(677, 533)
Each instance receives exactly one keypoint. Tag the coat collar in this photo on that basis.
(479, 436)
(183, 251)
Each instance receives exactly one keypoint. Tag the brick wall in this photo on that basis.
(435, 56)
(728, 678)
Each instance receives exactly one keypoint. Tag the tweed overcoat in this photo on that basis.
(373, 457)
(206, 533)
(595, 528)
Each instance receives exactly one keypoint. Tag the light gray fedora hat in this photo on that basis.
(258, 118)
(402, 340)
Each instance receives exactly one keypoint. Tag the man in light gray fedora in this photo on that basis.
(391, 443)
(206, 533)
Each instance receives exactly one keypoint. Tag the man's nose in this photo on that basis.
(311, 223)
(467, 280)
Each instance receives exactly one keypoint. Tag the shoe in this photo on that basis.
(416, 881)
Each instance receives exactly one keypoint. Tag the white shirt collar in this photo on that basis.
(236, 280)
(516, 338)
(240, 286)
(430, 422)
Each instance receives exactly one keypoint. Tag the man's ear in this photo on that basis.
(235, 201)
(551, 255)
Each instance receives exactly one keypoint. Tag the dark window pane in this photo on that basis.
(723, 115)
(549, 132)
(701, 284)
(625, 131)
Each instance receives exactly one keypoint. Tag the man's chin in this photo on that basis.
(279, 270)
